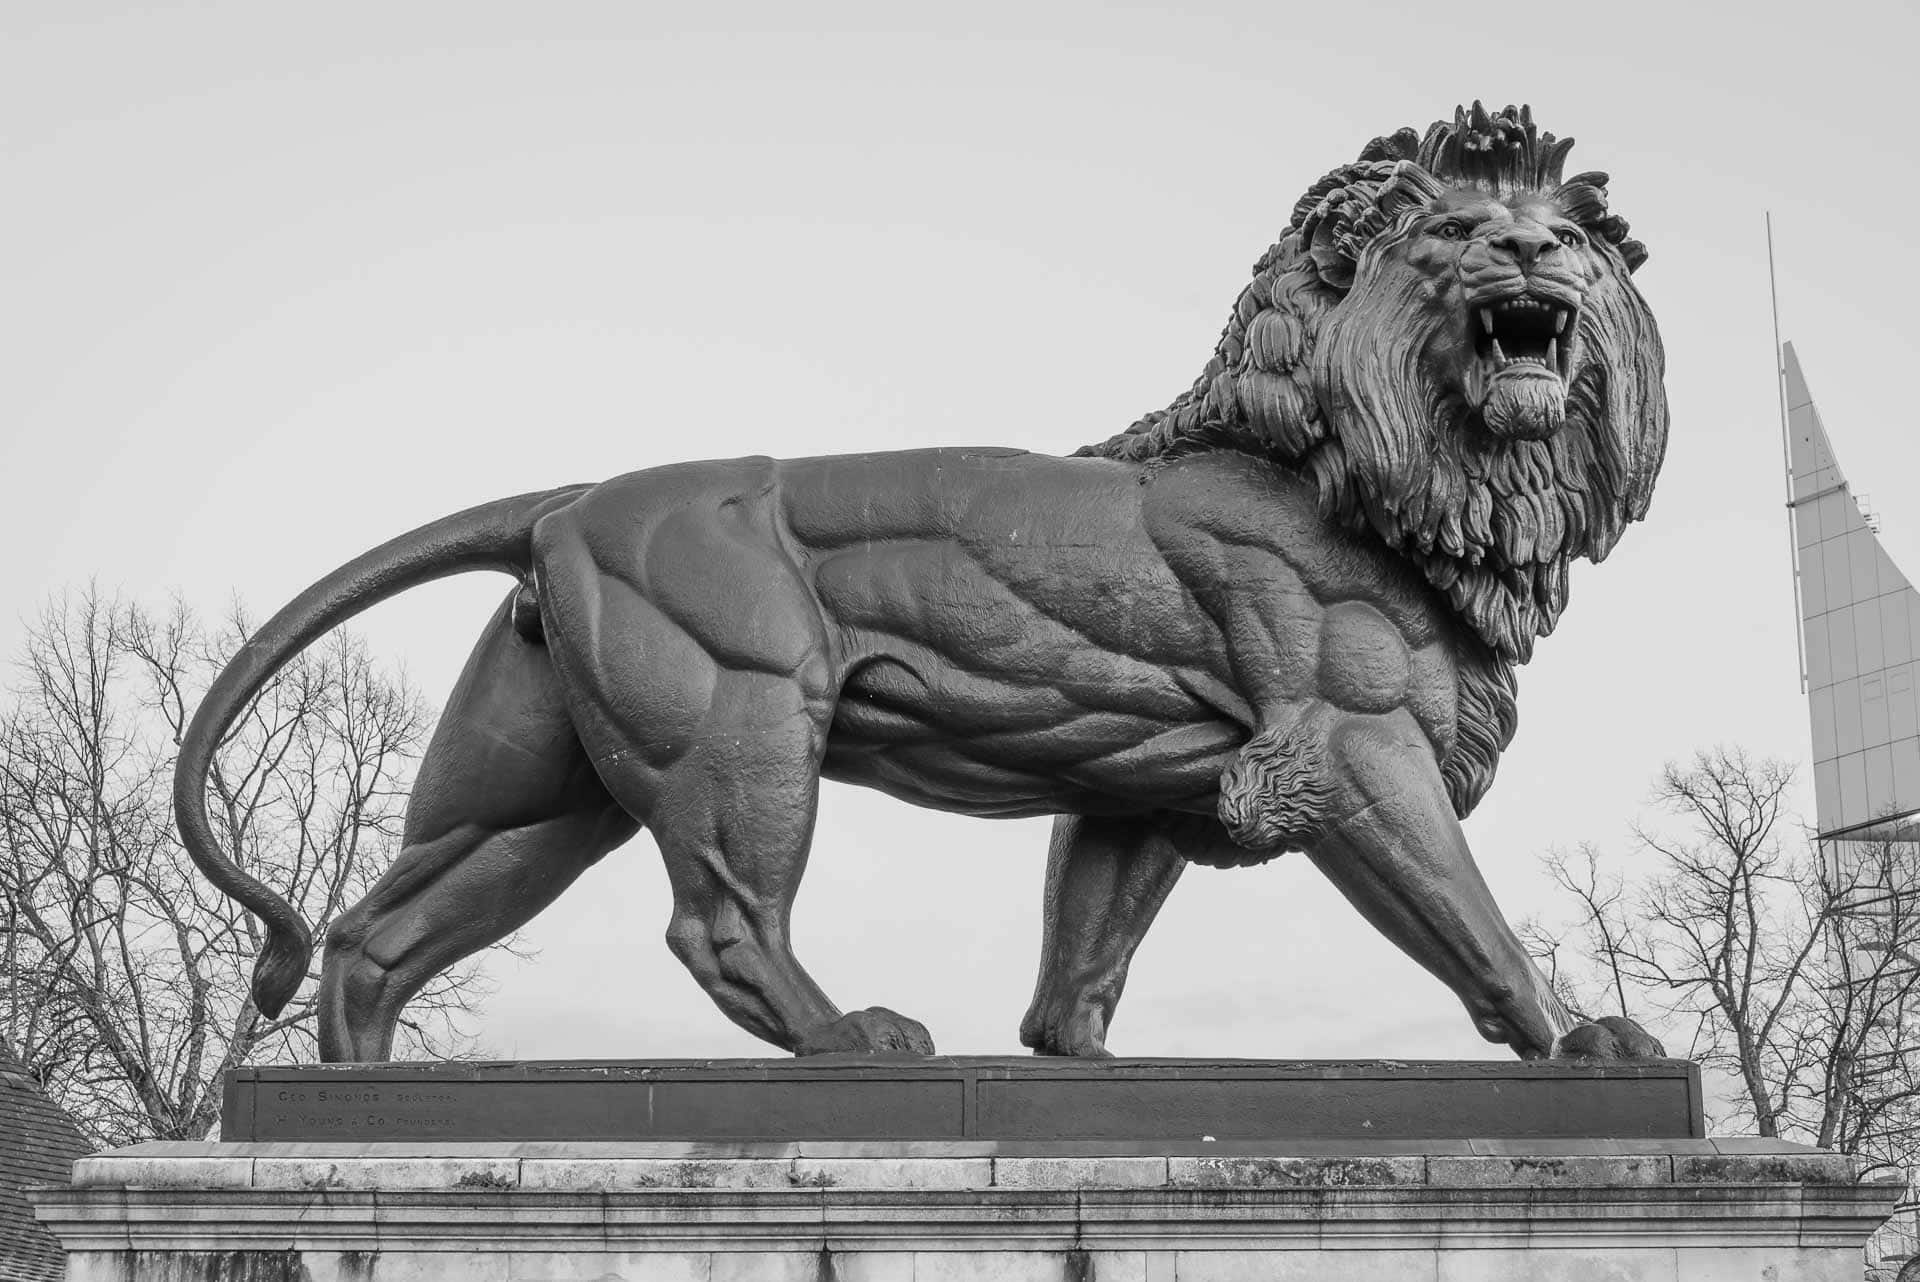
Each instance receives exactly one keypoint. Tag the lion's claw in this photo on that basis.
(1609, 1037)
(874, 1030)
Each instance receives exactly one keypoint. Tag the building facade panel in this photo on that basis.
(1859, 618)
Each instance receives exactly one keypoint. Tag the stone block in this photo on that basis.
(871, 1266)
(1114, 1266)
(471, 1173)
(139, 1171)
(990, 1266)
(1610, 1264)
(615, 1266)
(618, 1174)
(99, 1266)
(1079, 1172)
(1588, 1148)
(1737, 1264)
(766, 1266)
(429, 1266)
(893, 1173)
(1293, 1172)
(1305, 1266)
(1540, 1170)
(1805, 1166)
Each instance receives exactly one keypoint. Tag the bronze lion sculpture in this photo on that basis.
(1282, 614)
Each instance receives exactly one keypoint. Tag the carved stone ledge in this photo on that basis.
(1665, 1210)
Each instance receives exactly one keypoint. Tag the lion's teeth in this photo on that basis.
(1486, 319)
(1560, 321)
(1499, 357)
(1553, 353)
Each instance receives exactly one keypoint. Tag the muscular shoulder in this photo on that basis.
(1311, 610)
(1224, 516)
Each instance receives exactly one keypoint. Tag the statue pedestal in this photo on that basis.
(1063, 1211)
(985, 1168)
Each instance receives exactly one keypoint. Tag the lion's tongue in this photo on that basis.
(1525, 402)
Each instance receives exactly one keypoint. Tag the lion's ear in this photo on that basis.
(1331, 261)
(1350, 217)
(1583, 198)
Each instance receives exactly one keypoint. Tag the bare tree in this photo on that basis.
(1787, 971)
(123, 976)
(1866, 1025)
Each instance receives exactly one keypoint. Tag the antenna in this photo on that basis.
(1786, 457)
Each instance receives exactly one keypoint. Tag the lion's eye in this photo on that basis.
(1450, 231)
(1569, 237)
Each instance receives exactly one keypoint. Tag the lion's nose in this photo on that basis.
(1525, 243)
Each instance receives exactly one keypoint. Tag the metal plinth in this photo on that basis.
(959, 1098)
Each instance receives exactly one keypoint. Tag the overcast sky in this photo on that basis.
(278, 282)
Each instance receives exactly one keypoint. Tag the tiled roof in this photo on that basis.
(38, 1144)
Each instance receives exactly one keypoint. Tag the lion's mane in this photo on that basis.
(1320, 367)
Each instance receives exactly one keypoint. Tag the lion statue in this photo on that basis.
(1282, 614)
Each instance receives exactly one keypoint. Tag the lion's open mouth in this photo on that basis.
(1522, 365)
(1524, 330)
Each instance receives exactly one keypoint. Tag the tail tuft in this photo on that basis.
(281, 969)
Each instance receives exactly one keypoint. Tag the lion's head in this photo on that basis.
(1448, 340)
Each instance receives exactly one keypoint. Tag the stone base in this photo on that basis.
(1435, 1211)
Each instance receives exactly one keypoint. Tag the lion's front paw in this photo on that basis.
(871, 1031)
(1609, 1037)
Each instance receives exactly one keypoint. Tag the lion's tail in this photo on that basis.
(495, 536)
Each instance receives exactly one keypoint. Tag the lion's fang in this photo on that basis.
(1499, 357)
(1560, 321)
(1486, 319)
(1553, 353)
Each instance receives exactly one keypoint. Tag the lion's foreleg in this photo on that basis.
(1391, 843)
(1106, 881)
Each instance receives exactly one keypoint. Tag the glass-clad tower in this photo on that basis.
(1860, 620)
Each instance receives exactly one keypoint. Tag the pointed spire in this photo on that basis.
(1860, 617)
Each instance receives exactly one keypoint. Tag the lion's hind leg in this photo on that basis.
(708, 723)
(732, 812)
(506, 812)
